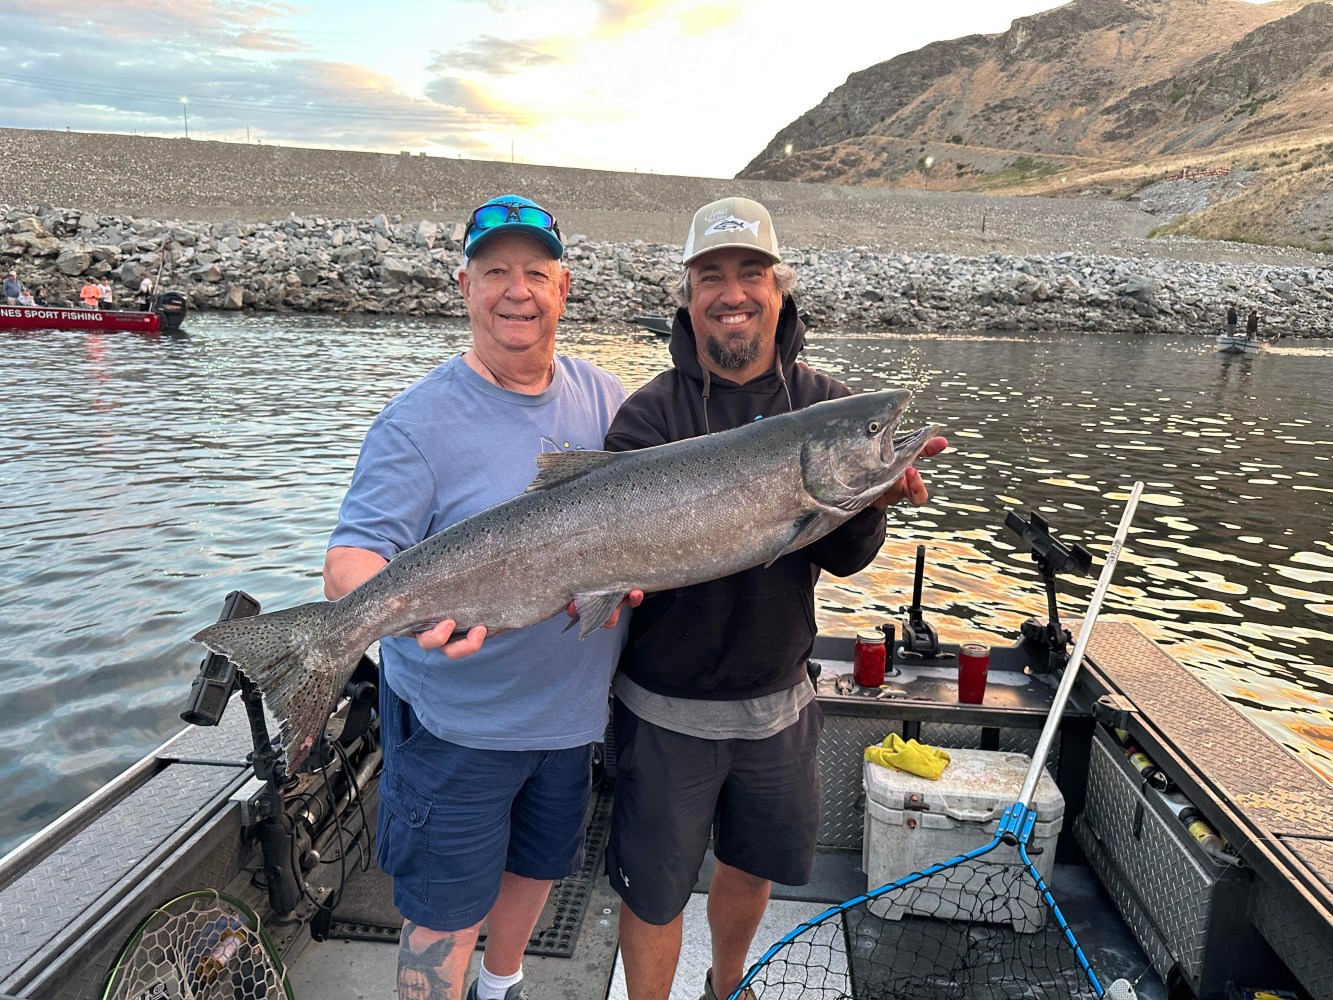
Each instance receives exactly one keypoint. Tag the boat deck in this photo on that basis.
(357, 969)
(71, 896)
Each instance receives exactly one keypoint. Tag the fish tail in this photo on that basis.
(294, 658)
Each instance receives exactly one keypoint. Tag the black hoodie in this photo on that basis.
(748, 634)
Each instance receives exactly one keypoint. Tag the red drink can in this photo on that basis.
(973, 662)
(869, 658)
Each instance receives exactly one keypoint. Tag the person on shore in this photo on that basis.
(11, 289)
(1233, 319)
(104, 290)
(90, 294)
(1252, 324)
(145, 297)
(718, 735)
(487, 764)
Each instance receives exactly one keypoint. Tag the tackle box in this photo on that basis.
(912, 823)
(1186, 908)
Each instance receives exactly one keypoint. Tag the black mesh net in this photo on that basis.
(197, 947)
(974, 930)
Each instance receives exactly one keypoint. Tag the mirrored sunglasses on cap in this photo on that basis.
(490, 216)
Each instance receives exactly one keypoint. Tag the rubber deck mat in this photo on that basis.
(367, 912)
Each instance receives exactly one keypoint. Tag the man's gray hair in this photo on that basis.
(784, 276)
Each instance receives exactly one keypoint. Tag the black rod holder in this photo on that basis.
(216, 680)
(274, 829)
(210, 694)
(919, 637)
(1049, 644)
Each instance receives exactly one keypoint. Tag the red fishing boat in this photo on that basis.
(167, 314)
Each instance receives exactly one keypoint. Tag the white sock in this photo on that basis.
(493, 987)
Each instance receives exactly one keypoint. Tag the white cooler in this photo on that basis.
(912, 823)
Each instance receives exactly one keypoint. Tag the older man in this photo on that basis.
(487, 760)
(12, 288)
(716, 721)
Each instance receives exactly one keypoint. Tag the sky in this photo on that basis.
(694, 87)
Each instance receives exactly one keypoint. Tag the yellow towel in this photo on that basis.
(909, 755)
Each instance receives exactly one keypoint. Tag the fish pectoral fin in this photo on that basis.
(810, 528)
(555, 467)
(595, 609)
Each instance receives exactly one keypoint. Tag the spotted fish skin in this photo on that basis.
(590, 528)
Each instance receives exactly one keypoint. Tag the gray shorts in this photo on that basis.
(757, 799)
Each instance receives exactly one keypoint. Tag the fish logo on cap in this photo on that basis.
(731, 224)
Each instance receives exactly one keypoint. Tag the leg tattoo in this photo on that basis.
(421, 972)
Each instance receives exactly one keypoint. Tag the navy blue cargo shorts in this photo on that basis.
(453, 819)
(757, 799)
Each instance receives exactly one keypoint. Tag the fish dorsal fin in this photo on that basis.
(556, 467)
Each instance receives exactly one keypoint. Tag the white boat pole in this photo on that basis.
(1076, 658)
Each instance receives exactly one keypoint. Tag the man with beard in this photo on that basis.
(716, 722)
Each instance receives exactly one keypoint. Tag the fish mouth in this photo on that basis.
(898, 451)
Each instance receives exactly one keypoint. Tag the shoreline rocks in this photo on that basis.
(390, 264)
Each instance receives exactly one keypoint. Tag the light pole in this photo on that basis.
(185, 112)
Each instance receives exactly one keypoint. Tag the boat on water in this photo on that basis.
(1240, 343)
(1189, 851)
(661, 325)
(656, 322)
(168, 313)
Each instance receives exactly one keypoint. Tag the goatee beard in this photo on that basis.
(733, 359)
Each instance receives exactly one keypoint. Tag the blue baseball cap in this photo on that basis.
(510, 213)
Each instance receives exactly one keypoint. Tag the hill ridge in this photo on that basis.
(1064, 96)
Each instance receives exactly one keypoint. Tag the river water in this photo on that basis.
(145, 477)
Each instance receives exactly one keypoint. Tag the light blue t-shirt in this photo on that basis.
(448, 447)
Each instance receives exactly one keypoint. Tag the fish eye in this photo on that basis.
(873, 427)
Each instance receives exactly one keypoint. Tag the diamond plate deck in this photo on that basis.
(228, 742)
(1274, 788)
(93, 859)
(1285, 928)
(1276, 810)
(40, 904)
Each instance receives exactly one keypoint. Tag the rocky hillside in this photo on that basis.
(407, 266)
(1137, 90)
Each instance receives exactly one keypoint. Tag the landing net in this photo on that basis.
(200, 946)
(977, 929)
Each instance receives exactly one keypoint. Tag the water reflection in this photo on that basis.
(144, 478)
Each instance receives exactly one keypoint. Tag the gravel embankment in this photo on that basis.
(373, 232)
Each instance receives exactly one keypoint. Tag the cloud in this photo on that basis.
(499, 56)
(616, 18)
(258, 41)
(223, 24)
(701, 20)
(84, 84)
(621, 17)
(486, 109)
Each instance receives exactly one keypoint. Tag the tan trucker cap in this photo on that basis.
(731, 222)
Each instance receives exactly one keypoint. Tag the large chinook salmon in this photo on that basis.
(592, 526)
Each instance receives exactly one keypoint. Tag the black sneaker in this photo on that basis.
(515, 992)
